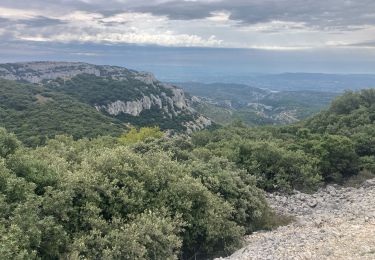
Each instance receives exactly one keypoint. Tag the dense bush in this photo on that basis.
(348, 114)
(333, 146)
(278, 168)
(274, 163)
(102, 200)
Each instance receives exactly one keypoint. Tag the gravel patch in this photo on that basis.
(333, 223)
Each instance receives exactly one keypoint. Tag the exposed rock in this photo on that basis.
(179, 99)
(368, 183)
(146, 77)
(331, 190)
(338, 224)
(133, 108)
(198, 124)
(171, 100)
(312, 203)
(36, 72)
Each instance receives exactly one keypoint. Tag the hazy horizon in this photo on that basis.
(183, 40)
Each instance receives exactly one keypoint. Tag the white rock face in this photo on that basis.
(179, 99)
(198, 124)
(133, 108)
(157, 101)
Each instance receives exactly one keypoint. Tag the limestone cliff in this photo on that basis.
(139, 92)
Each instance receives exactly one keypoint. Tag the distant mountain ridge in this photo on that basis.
(38, 71)
(292, 81)
(127, 96)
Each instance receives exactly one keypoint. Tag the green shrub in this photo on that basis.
(8, 143)
(101, 200)
(277, 168)
(143, 134)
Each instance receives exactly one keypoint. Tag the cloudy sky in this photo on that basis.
(219, 35)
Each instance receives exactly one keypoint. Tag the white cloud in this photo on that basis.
(82, 16)
(132, 38)
(278, 48)
(216, 30)
(133, 28)
(219, 17)
(88, 54)
(278, 27)
(17, 14)
(36, 38)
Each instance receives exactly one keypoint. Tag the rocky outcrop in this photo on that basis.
(334, 223)
(36, 72)
(170, 100)
(198, 124)
(146, 77)
(173, 105)
(133, 108)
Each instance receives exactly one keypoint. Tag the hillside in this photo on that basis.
(332, 146)
(225, 103)
(150, 196)
(35, 113)
(120, 95)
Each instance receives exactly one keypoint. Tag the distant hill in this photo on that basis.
(224, 102)
(320, 82)
(95, 99)
(314, 82)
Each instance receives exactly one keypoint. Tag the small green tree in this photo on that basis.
(338, 158)
(278, 168)
(8, 143)
(144, 133)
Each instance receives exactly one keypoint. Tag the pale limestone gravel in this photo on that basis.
(334, 223)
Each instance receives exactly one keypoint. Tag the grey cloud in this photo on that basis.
(180, 10)
(41, 21)
(322, 14)
(35, 22)
(46, 4)
(370, 44)
(4, 22)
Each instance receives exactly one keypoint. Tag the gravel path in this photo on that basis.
(334, 223)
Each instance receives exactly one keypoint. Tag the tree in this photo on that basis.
(8, 143)
(338, 158)
(143, 134)
(278, 168)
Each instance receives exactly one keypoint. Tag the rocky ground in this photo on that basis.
(334, 223)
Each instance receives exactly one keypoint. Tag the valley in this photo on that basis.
(225, 103)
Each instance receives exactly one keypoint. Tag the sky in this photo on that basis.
(186, 38)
